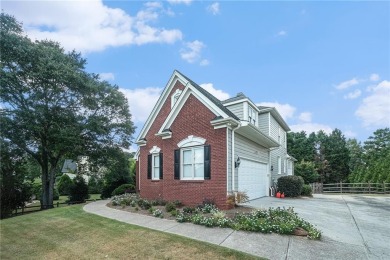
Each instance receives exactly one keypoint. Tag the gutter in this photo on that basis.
(233, 164)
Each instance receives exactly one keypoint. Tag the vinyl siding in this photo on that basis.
(237, 109)
(263, 123)
(246, 149)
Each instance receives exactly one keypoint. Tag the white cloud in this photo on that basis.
(311, 127)
(141, 101)
(353, 94)
(89, 26)
(374, 110)
(285, 110)
(349, 134)
(347, 84)
(305, 117)
(213, 8)
(175, 2)
(204, 62)
(192, 51)
(107, 76)
(374, 77)
(215, 92)
(282, 33)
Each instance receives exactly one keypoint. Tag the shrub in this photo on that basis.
(188, 210)
(64, 184)
(95, 185)
(170, 207)
(306, 190)
(291, 185)
(78, 192)
(241, 197)
(124, 188)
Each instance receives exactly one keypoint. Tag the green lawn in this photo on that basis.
(71, 233)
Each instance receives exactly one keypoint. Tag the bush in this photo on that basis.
(170, 207)
(64, 185)
(291, 185)
(95, 185)
(78, 192)
(306, 190)
(124, 188)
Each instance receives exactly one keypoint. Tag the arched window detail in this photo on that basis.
(191, 141)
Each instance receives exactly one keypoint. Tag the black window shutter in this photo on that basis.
(177, 164)
(149, 166)
(207, 160)
(161, 166)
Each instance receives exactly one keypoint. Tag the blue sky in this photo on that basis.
(323, 65)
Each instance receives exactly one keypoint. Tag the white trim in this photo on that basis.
(175, 95)
(182, 100)
(139, 174)
(227, 160)
(154, 156)
(176, 76)
(269, 123)
(136, 155)
(279, 159)
(155, 149)
(192, 149)
(245, 111)
(191, 141)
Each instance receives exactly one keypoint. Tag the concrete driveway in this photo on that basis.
(353, 221)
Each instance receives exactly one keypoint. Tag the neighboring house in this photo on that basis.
(194, 147)
(70, 168)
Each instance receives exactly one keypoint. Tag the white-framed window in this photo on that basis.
(252, 115)
(192, 163)
(155, 166)
(279, 165)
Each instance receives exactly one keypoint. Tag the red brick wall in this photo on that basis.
(193, 119)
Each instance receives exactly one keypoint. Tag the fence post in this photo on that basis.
(58, 204)
(369, 188)
(384, 188)
(341, 187)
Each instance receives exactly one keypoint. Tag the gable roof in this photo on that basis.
(188, 83)
(274, 112)
(69, 166)
(212, 98)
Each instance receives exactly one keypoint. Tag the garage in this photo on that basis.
(252, 179)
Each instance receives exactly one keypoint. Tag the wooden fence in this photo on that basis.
(357, 188)
(30, 209)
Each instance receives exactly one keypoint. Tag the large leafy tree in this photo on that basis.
(51, 107)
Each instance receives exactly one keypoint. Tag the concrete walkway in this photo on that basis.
(271, 246)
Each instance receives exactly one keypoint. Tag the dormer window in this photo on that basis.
(175, 96)
(252, 115)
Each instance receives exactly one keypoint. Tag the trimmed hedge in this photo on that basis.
(291, 185)
(124, 188)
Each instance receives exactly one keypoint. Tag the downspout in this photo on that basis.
(233, 162)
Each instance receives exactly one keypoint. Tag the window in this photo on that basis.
(279, 165)
(192, 163)
(155, 164)
(252, 115)
(156, 167)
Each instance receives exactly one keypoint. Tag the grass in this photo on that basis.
(71, 233)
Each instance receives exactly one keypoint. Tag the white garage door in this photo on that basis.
(252, 179)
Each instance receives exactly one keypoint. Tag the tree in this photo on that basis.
(300, 146)
(307, 171)
(51, 107)
(14, 190)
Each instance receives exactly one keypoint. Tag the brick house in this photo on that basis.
(195, 147)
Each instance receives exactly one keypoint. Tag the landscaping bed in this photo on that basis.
(272, 220)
